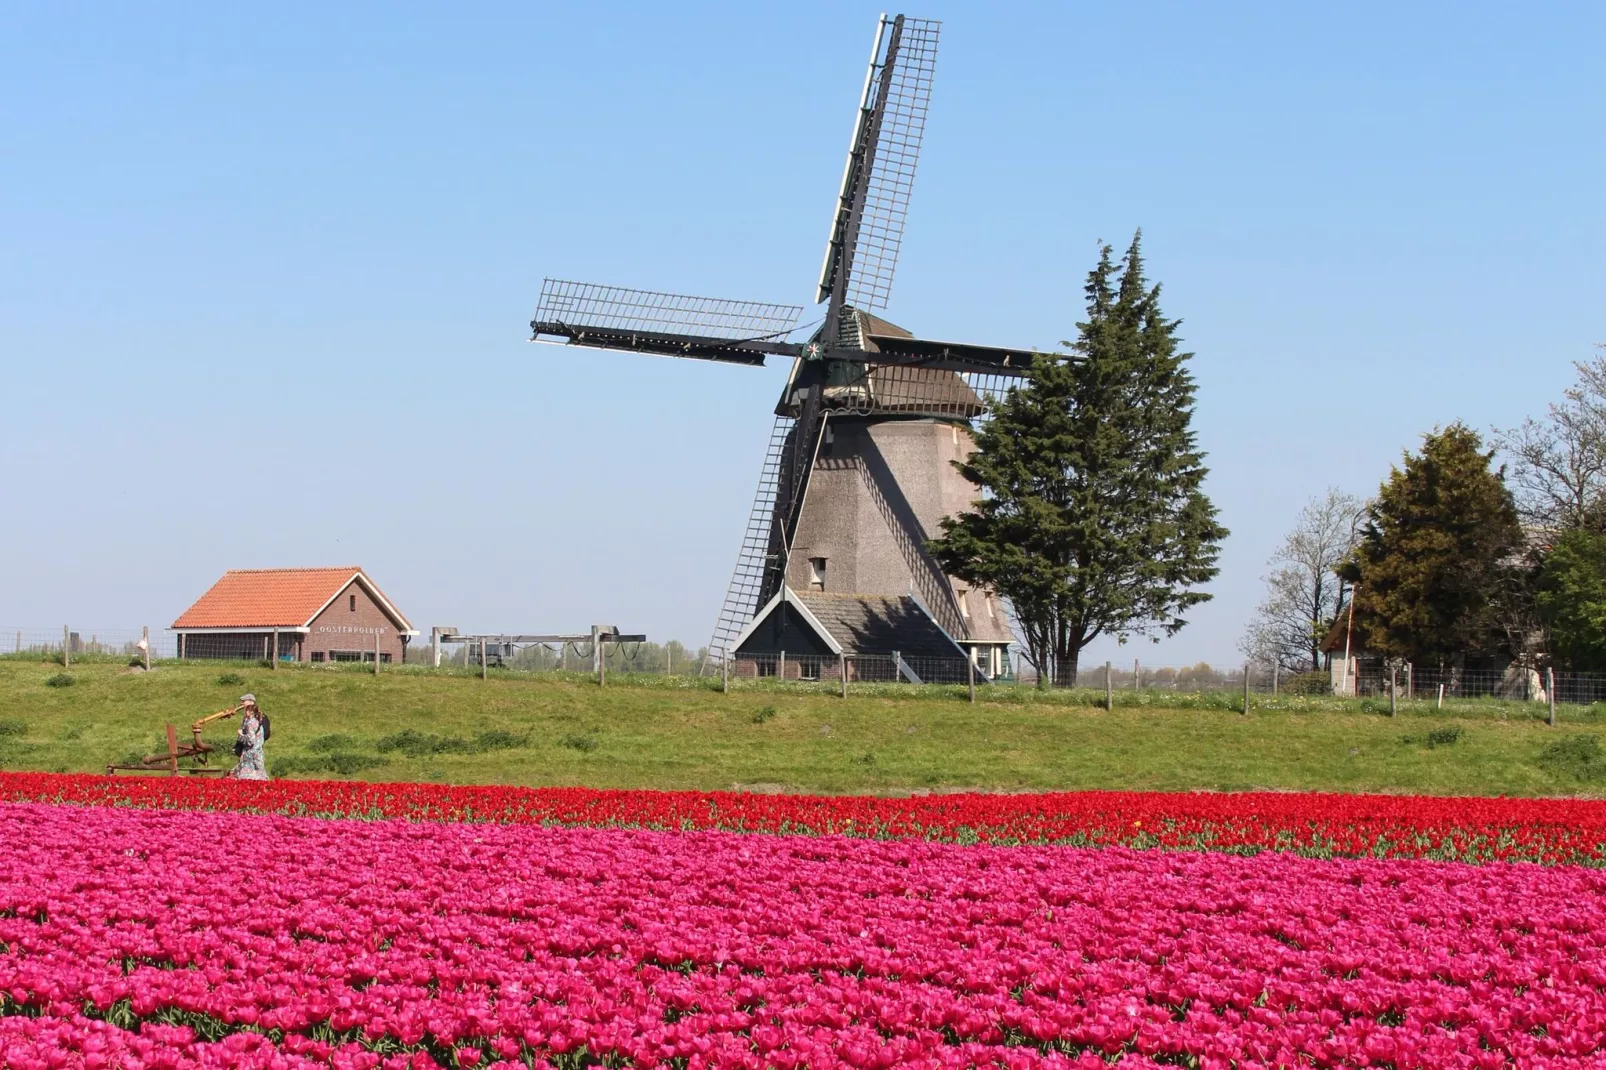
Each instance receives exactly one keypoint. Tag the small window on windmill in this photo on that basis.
(988, 601)
(827, 441)
(817, 573)
(352, 605)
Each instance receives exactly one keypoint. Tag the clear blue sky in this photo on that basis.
(265, 270)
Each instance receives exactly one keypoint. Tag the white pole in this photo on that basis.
(145, 634)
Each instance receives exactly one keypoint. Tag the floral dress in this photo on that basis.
(252, 765)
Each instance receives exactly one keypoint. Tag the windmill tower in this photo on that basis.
(858, 473)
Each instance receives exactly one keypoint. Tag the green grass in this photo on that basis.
(412, 724)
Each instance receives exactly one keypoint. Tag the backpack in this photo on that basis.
(267, 728)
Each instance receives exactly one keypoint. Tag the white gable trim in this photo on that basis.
(784, 595)
(405, 626)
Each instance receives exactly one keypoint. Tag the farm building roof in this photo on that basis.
(277, 598)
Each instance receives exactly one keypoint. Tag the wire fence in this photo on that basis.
(1365, 678)
(854, 668)
(86, 644)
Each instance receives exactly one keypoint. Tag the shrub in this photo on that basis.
(418, 744)
(231, 679)
(1579, 755)
(340, 762)
(1446, 735)
(61, 679)
(583, 744)
(1309, 683)
(760, 716)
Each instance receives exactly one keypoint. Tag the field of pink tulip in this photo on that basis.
(165, 938)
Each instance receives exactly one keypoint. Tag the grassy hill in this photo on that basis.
(412, 724)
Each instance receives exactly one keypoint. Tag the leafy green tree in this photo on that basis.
(1093, 520)
(1437, 556)
(1572, 599)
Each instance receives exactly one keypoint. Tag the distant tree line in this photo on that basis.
(1468, 550)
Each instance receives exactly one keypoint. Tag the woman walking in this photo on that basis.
(252, 764)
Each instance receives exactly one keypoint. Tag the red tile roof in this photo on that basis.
(273, 598)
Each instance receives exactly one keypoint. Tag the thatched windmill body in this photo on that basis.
(859, 472)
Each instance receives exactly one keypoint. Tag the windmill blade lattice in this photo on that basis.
(617, 308)
(897, 97)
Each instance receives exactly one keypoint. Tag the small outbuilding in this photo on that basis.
(315, 614)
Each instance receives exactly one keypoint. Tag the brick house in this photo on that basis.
(318, 614)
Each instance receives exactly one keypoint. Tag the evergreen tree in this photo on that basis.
(1433, 563)
(1572, 599)
(1092, 520)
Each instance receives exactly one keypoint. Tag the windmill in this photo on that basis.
(858, 471)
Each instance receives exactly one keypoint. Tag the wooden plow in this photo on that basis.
(198, 750)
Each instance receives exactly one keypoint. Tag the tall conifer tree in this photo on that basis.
(1093, 520)
(1437, 549)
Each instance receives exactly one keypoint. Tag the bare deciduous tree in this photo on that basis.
(1303, 592)
(1558, 463)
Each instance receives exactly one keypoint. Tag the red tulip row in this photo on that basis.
(1551, 831)
(143, 939)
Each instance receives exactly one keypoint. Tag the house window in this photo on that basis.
(317, 655)
(817, 573)
(352, 603)
(346, 655)
(766, 666)
(808, 669)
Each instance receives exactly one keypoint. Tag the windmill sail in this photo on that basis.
(678, 325)
(867, 228)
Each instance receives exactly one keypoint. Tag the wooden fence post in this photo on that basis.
(1109, 688)
(376, 653)
(1410, 681)
(1550, 692)
(1246, 689)
(1137, 675)
(484, 672)
(1394, 689)
(1274, 667)
(780, 666)
(897, 666)
(274, 662)
(66, 647)
(725, 673)
(1440, 704)
(145, 634)
(970, 668)
(844, 661)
